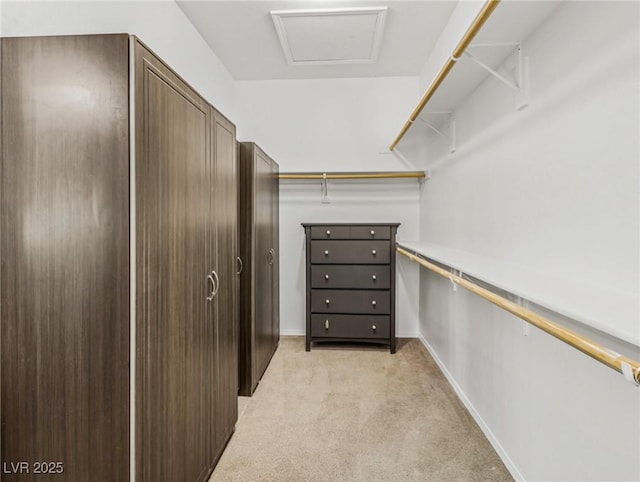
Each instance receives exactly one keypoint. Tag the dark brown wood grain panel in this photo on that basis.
(362, 276)
(262, 259)
(225, 207)
(259, 309)
(65, 255)
(350, 326)
(245, 242)
(370, 232)
(175, 377)
(350, 301)
(350, 252)
(275, 266)
(330, 232)
(392, 309)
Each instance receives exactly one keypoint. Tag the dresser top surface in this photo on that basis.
(309, 225)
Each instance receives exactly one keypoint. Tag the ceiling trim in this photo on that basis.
(279, 15)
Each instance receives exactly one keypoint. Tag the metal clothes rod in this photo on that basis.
(353, 175)
(479, 21)
(628, 367)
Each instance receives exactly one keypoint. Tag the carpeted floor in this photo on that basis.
(356, 414)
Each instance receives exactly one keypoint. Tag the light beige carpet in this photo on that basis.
(356, 414)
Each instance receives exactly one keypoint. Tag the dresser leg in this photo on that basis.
(392, 346)
(308, 345)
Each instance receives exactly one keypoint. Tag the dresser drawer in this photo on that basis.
(367, 277)
(350, 301)
(350, 326)
(350, 252)
(370, 232)
(350, 232)
(330, 232)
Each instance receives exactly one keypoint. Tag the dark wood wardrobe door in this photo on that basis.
(246, 232)
(263, 260)
(259, 244)
(174, 321)
(65, 256)
(226, 399)
(275, 268)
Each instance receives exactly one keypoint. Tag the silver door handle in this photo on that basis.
(373, 252)
(216, 284)
(326, 324)
(373, 233)
(328, 232)
(373, 302)
(374, 277)
(326, 276)
(326, 252)
(213, 287)
(272, 256)
(240, 264)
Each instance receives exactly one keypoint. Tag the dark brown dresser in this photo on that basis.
(351, 283)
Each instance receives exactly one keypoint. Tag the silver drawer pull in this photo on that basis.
(326, 252)
(373, 233)
(373, 252)
(328, 232)
(373, 302)
(326, 324)
(326, 276)
(326, 301)
(373, 327)
(374, 277)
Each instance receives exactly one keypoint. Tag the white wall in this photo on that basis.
(328, 124)
(368, 202)
(334, 125)
(555, 188)
(161, 25)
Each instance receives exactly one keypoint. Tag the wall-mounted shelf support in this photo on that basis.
(520, 84)
(451, 131)
(325, 190)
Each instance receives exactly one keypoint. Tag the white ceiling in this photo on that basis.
(243, 36)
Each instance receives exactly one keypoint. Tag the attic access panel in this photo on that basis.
(330, 36)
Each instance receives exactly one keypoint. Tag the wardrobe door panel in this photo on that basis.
(224, 148)
(65, 256)
(275, 274)
(246, 345)
(174, 319)
(259, 307)
(263, 260)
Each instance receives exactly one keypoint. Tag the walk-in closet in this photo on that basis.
(346, 240)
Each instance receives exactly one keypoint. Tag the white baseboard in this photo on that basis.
(502, 453)
(292, 332)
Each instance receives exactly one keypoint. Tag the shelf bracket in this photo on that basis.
(451, 131)
(521, 83)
